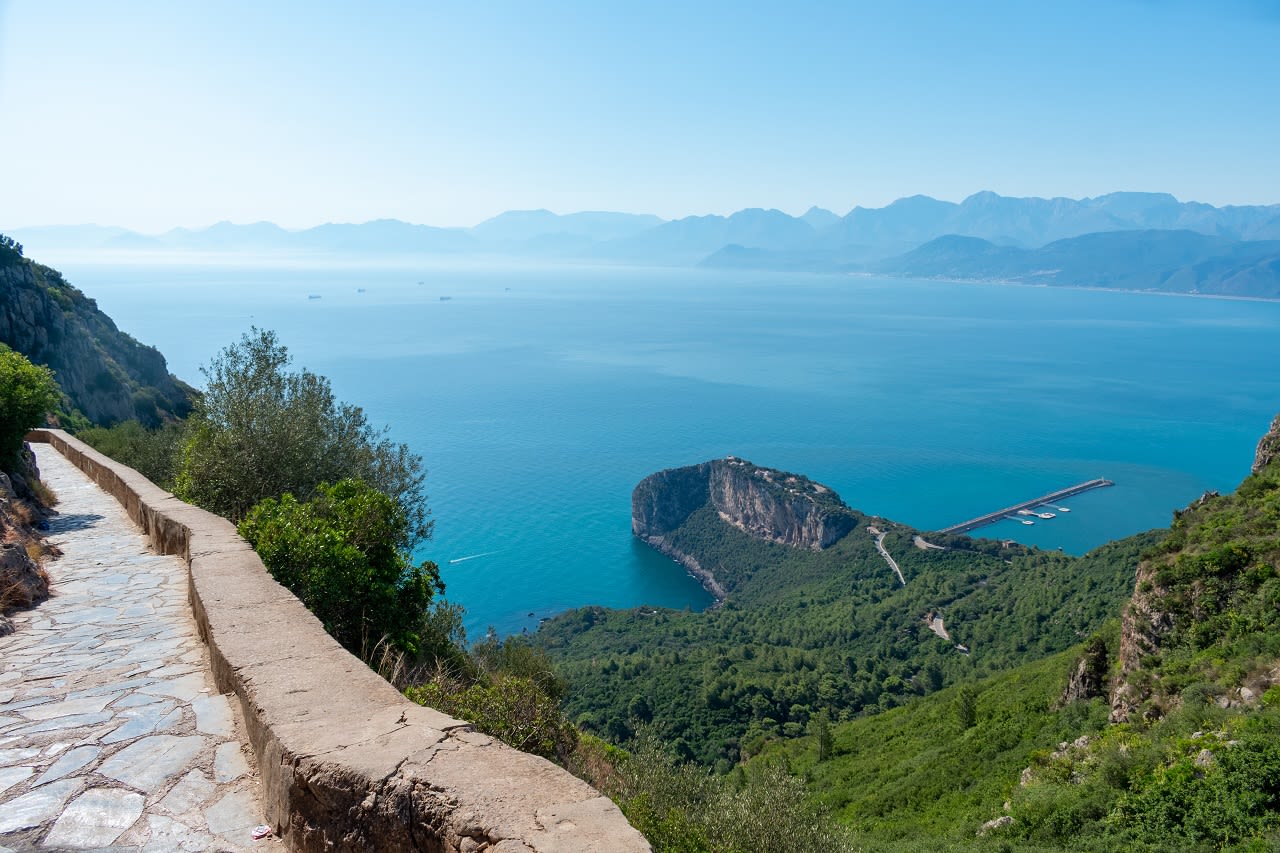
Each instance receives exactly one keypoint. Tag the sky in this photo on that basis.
(164, 114)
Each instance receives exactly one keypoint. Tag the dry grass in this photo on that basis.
(22, 513)
(45, 495)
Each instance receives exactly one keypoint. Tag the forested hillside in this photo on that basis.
(810, 635)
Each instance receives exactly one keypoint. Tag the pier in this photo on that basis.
(1052, 497)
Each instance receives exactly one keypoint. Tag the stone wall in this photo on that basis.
(347, 763)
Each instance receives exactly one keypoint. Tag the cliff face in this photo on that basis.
(780, 507)
(772, 505)
(1268, 447)
(106, 375)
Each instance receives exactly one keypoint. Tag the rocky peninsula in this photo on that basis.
(767, 504)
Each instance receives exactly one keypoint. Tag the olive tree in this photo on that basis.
(264, 430)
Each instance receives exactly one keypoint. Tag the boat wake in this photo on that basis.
(473, 557)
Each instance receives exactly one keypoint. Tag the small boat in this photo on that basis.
(313, 296)
(445, 298)
(359, 290)
(1045, 515)
(1062, 509)
(1026, 521)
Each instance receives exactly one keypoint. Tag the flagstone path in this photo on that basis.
(112, 733)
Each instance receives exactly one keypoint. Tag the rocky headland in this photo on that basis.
(775, 506)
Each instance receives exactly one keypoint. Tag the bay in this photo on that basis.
(540, 395)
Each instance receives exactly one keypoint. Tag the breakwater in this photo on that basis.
(1052, 497)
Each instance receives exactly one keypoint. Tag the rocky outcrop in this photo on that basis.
(1268, 447)
(1089, 676)
(772, 505)
(765, 503)
(1143, 624)
(105, 374)
(1174, 592)
(22, 584)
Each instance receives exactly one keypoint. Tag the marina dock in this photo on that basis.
(1051, 498)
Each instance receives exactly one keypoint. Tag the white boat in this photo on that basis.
(1025, 512)
(1026, 521)
(1063, 509)
(1045, 515)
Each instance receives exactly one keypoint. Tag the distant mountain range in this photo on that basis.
(1120, 240)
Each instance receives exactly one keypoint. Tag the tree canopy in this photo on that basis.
(27, 391)
(263, 430)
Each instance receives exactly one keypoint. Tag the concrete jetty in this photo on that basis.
(1052, 497)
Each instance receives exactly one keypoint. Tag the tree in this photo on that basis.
(966, 707)
(820, 728)
(27, 392)
(262, 431)
(346, 555)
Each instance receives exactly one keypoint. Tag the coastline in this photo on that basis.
(691, 565)
(1005, 282)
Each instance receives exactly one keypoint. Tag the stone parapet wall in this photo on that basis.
(347, 763)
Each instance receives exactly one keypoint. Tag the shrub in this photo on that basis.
(345, 554)
(154, 453)
(262, 431)
(512, 708)
(27, 392)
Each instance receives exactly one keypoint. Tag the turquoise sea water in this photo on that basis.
(539, 397)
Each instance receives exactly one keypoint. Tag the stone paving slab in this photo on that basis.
(112, 733)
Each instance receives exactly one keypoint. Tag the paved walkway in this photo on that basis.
(112, 734)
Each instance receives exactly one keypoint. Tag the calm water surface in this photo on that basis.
(539, 397)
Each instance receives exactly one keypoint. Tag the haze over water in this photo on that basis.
(539, 397)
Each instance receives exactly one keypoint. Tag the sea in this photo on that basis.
(539, 395)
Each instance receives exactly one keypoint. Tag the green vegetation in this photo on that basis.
(262, 431)
(805, 633)
(1196, 768)
(683, 808)
(27, 392)
(507, 689)
(10, 251)
(346, 555)
(154, 453)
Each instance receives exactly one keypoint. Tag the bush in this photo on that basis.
(346, 555)
(512, 708)
(683, 807)
(262, 431)
(27, 392)
(153, 453)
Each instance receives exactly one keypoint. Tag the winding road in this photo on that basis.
(893, 564)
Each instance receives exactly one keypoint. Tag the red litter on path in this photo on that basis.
(261, 831)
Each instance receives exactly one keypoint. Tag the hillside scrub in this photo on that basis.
(153, 453)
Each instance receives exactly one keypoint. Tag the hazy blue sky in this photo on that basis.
(152, 115)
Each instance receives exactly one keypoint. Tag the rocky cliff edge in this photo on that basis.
(765, 503)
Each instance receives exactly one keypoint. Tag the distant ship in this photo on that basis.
(445, 298)
(314, 296)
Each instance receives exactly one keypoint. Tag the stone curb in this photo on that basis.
(346, 762)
